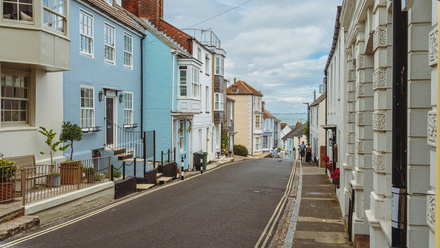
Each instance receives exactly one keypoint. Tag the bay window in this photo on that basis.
(18, 10)
(54, 15)
(258, 121)
(218, 102)
(15, 98)
(182, 80)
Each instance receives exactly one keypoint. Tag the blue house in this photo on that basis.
(293, 139)
(102, 91)
(162, 74)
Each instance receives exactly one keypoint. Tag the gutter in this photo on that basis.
(437, 151)
(142, 85)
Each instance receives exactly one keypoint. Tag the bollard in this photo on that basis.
(182, 173)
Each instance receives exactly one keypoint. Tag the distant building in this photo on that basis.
(292, 140)
(317, 133)
(248, 105)
(230, 119)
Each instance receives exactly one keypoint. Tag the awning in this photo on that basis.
(332, 127)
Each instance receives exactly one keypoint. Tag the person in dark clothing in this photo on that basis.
(302, 149)
(308, 153)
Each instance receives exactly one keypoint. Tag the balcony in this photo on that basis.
(35, 35)
(188, 106)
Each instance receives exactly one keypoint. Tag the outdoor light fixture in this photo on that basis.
(101, 95)
(121, 97)
(330, 141)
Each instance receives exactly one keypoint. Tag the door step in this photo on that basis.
(163, 180)
(143, 186)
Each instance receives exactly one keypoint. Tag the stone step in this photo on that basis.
(118, 150)
(159, 175)
(124, 156)
(10, 214)
(19, 225)
(144, 186)
(163, 180)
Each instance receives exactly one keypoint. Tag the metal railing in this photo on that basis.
(171, 154)
(45, 181)
(7, 183)
(128, 142)
(205, 36)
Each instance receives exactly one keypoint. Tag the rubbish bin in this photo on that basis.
(197, 157)
(205, 160)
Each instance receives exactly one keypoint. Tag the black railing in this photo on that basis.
(169, 154)
(130, 145)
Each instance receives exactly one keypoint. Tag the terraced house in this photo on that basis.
(102, 91)
(35, 51)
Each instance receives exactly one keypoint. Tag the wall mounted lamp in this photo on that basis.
(100, 95)
(121, 97)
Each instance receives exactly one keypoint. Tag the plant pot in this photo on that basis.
(56, 181)
(71, 172)
(6, 191)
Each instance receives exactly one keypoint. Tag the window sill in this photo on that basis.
(128, 67)
(87, 55)
(17, 129)
(129, 126)
(91, 129)
(110, 62)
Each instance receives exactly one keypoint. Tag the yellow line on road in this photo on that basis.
(278, 210)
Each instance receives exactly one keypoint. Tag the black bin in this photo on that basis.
(197, 157)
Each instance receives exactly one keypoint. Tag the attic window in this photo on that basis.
(109, 2)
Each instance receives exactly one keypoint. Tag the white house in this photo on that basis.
(317, 133)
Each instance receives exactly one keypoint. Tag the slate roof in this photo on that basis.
(296, 132)
(114, 11)
(243, 89)
(319, 99)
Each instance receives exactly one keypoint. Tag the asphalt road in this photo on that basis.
(228, 207)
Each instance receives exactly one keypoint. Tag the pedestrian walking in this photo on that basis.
(302, 149)
(308, 153)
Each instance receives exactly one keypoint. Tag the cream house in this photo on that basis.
(35, 50)
(360, 110)
(317, 133)
(249, 108)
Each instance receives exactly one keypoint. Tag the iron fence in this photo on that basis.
(45, 181)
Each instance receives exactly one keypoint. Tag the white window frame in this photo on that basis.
(110, 27)
(199, 54)
(92, 39)
(207, 65)
(222, 66)
(130, 110)
(17, 3)
(195, 83)
(60, 16)
(217, 66)
(207, 98)
(29, 86)
(265, 144)
(185, 85)
(258, 121)
(218, 102)
(257, 143)
(129, 53)
(87, 108)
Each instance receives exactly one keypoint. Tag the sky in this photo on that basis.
(279, 47)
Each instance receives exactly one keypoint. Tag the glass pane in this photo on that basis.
(6, 104)
(10, 11)
(23, 116)
(7, 116)
(26, 12)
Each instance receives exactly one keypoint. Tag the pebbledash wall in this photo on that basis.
(359, 88)
(93, 72)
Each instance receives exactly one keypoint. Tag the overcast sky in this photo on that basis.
(277, 46)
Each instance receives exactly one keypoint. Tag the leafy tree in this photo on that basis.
(306, 130)
(50, 136)
(71, 132)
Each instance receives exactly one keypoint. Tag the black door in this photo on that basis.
(109, 124)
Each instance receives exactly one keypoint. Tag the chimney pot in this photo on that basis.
(235, 80)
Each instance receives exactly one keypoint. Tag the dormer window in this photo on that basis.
(18, 10)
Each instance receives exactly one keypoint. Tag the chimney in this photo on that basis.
(262, 103)
(235, 80)
(149, 9)
(314, 95)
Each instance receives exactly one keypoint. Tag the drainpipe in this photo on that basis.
(437, 152)
(142, 85)
(399, 127)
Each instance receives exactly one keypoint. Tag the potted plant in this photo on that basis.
(7, 180)
(50, 136)
(71, 172)
(71, 132)
(335, 175)
(89, 174)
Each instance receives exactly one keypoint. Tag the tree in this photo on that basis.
(306, 130)
(50, 136)
(71, 132)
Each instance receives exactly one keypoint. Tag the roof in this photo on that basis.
(335, 40)
(230, 99)
(319, 99)
(116, 12)
(295, 132)
(267, 114)
(144, 23)
(283, 125)
(243, 89)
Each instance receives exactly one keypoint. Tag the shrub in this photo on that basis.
(9, 172)
(241, 150)
(89, 171)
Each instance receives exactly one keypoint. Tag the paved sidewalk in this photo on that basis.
(319, 222)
